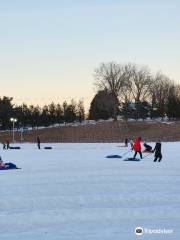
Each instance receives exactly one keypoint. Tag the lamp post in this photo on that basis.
(13, 120)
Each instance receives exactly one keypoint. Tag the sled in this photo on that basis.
(122, 146)
(14, 148)
(145, 151)
(132, 159)
(48, 148)
(9, 166)
(113, 156)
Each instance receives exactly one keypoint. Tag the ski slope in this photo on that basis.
(74, 193)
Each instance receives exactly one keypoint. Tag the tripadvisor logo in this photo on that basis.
(139, 231)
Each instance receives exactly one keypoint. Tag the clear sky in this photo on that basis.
(49, 48)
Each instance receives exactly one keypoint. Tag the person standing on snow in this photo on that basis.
(131, 143)
(126, 142)
(157, 150)
(137, 147)
(4, 145)
(7, 144)
(39, 143)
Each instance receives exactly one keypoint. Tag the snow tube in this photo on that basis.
(113, 156)
(48, 148)
(9, 166)
(14, 148)
(132, 159)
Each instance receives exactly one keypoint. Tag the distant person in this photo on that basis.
(148, 148)
(2, 164)
(131, 143)
(126, 142)
(7, 144)
(4, 145)
(157, 151)
(39, 143)
(137, 147)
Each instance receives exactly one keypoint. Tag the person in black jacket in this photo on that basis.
(39, 143)
(148, 148)
(4, 146)
(157, 151)
(7, 144)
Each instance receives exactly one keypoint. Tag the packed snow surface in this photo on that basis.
(73, 192)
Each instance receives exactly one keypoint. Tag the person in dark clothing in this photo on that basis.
(4, 146)
(126, 142)
(7, 144)
(157, 151)
(148, 148)
(39, 143)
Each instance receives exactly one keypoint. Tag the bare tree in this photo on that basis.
(177, 90)
(111, 77)
(160, 92)
(140, 84)
(133, 83)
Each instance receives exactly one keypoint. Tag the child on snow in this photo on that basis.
(148, 148)
(131, 143)
(2, 165)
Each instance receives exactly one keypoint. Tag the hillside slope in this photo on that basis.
(102, 132)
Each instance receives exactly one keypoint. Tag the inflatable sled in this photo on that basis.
(145, 151)
(114, 156)
(122, 146)
(9, 166)
(14, 148)
(132, 159)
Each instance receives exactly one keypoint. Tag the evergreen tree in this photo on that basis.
(45, 116)
(6, 111)
(80, 111)
(173, 104)
(52, 113)
(102, 106)
(59, 113)
(71, 112)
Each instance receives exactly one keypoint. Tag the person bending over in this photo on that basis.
(148, 148)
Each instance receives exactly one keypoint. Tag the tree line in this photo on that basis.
(35, 116)
(132, 91)
(128, 90)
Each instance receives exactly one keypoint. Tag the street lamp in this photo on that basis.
(13, 120)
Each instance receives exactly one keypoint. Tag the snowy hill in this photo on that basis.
(74, 193)
(102, 132)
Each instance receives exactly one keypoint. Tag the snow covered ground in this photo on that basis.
(74, 193)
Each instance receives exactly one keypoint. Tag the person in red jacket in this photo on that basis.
(137, 147)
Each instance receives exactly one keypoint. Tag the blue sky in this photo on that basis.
(49, 48)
